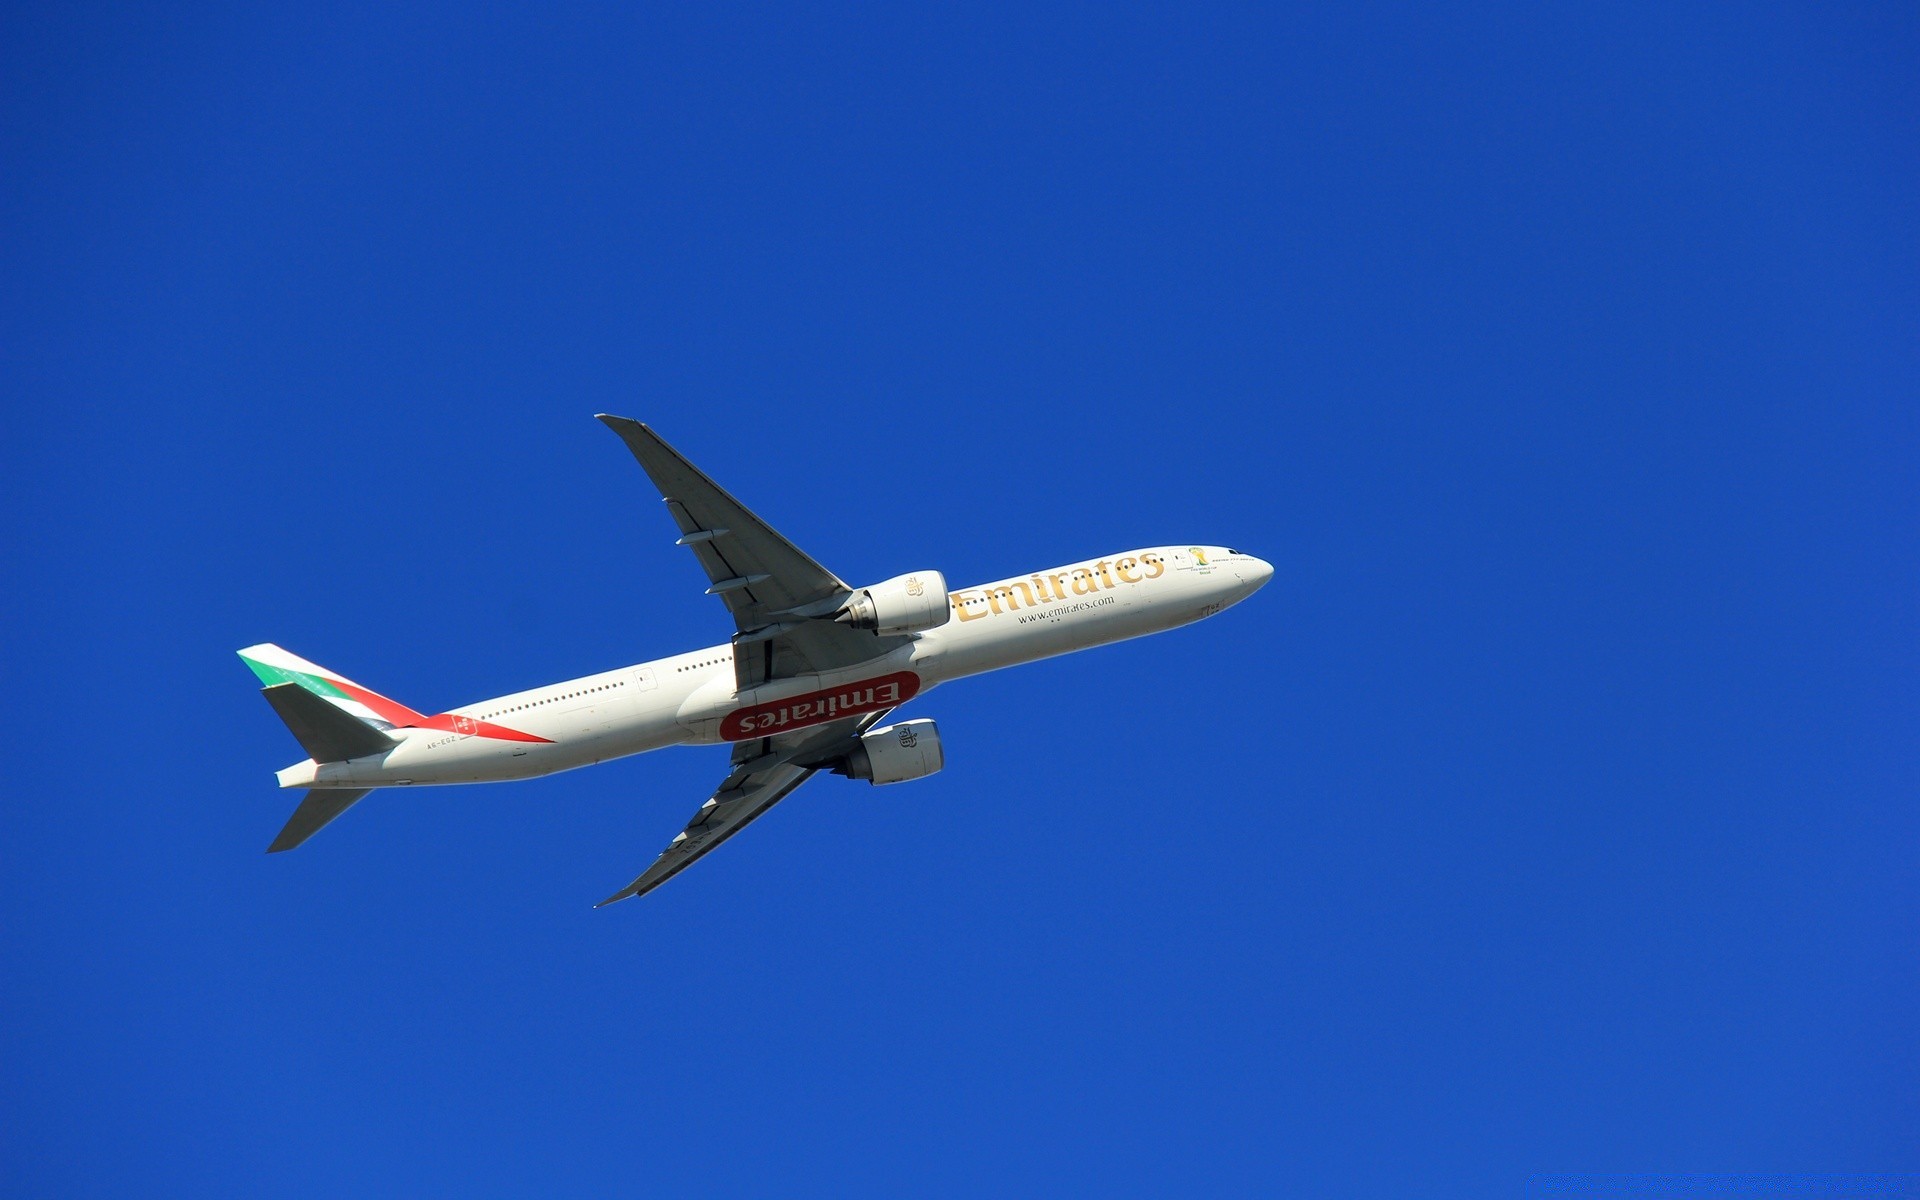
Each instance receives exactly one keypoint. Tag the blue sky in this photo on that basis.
(1553, 810)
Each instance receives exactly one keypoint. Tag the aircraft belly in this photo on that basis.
(446, 758)
(716, 713)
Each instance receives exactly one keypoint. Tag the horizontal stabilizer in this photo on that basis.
(325, 732)
(632, 889)
(320, 806)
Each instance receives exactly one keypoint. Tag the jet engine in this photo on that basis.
(903, 604)
(895, 753)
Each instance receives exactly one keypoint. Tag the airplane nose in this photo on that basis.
(1255, 574)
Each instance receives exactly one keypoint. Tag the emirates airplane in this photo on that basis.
(812, 669)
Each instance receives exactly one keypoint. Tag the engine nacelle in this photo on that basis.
(903, 604)
(896, 753)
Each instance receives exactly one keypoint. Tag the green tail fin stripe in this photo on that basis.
(271, 675)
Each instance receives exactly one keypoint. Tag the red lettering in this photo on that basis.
(814, 708)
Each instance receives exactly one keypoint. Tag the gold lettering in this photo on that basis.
(1005, 592)
(960, 600)
(1101, 567)
(1040, 588)
(1059, 585)
(1084, 584)
(1156, 566)
(1123, 566)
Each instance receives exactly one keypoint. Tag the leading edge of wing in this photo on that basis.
(780, 598)
(671, 861)
(765, 771)
(755, 570)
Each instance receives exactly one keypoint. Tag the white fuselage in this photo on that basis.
(692, 698)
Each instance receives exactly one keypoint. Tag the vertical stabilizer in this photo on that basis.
(275, 666)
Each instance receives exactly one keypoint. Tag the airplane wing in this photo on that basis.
(781, 600)
(765, 771)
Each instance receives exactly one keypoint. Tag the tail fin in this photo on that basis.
(333, 718)
(276, 666)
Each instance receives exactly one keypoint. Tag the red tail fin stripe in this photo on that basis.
(476, 728)
(400, 715)
(385, 709)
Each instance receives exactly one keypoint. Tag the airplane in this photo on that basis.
(812, 668)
